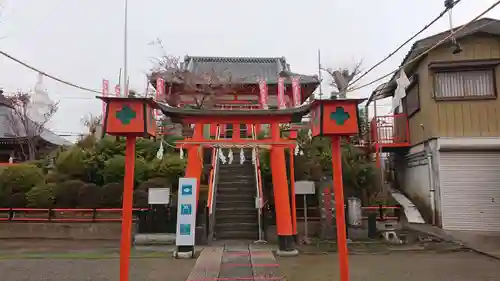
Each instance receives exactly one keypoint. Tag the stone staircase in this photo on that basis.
(235, 214)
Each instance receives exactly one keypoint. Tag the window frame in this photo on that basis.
(465, 68)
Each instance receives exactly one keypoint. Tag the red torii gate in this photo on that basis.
(284, 224)
(134, 117)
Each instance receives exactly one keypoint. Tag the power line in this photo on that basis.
(48, 75)
(406, 42)
(452, 33)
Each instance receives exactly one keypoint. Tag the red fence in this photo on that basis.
(61, 215)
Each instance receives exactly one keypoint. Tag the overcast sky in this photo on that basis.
(82, 40)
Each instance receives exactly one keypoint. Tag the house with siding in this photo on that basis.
(444, 148)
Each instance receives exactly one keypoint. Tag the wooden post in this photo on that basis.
(128, 185)
(339, 208)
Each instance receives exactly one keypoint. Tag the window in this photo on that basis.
(411, 102)
(470, 84)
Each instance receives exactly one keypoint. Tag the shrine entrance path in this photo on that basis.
(244, 262)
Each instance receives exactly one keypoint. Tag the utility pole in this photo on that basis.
(319, 75)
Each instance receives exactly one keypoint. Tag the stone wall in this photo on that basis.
(77, 231)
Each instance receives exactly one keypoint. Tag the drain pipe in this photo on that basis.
(432, 191)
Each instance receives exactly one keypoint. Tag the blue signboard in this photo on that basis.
(186, 212)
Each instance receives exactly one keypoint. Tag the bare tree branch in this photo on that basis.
(347, 74)
(92, 122)
(203, 88)
(24, 129)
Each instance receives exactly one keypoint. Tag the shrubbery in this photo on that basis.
(88, 175)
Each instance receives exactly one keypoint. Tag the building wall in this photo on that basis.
(413, 178)
(468, 118)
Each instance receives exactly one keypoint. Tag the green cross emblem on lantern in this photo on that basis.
(125, 115)
(340, 116)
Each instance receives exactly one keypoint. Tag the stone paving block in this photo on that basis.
(207, 265)
(236, 263)
(264, 265)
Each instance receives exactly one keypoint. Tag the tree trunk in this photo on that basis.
(31, 150)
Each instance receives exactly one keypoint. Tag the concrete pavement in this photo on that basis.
(485, 242)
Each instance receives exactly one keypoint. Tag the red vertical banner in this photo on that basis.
(281, 93)
(263, 94)
(160, 93)
(105, 93)
(296, 92)
(117, 90)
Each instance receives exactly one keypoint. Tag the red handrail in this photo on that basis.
(49, 212)
(385, 133)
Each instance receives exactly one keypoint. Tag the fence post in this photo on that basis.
(381, 211)
(50, 214)
(94, 214)
(11, 214)
(397, 212)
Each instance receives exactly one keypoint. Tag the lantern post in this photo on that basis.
(335, 119)
(130, 118)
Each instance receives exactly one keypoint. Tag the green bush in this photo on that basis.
(114, 170)
(154, 183)
(72, 162)
(16, 200)
(18, 179)
(111, 195)
(89, 196)
(140, 199)
(41, 196)
(171, 167)
(66, 193)
(54, 177)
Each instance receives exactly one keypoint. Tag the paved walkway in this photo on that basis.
(485, 242)
(236, 262)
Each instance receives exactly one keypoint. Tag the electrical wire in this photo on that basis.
(452, 33)
(48, 75)
(406, 42)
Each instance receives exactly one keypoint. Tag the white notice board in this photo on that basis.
(158, 196)
(304, 187)
(186, 212)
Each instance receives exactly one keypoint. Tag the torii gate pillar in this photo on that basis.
(284, 224)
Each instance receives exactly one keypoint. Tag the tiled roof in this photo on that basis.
(244, 69)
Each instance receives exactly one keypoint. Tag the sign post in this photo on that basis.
(130, 118)
(304, 188)
(337, 118)
(186, 217)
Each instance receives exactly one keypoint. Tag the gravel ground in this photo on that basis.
(70, 260)
(164, 269)
(407, 266)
